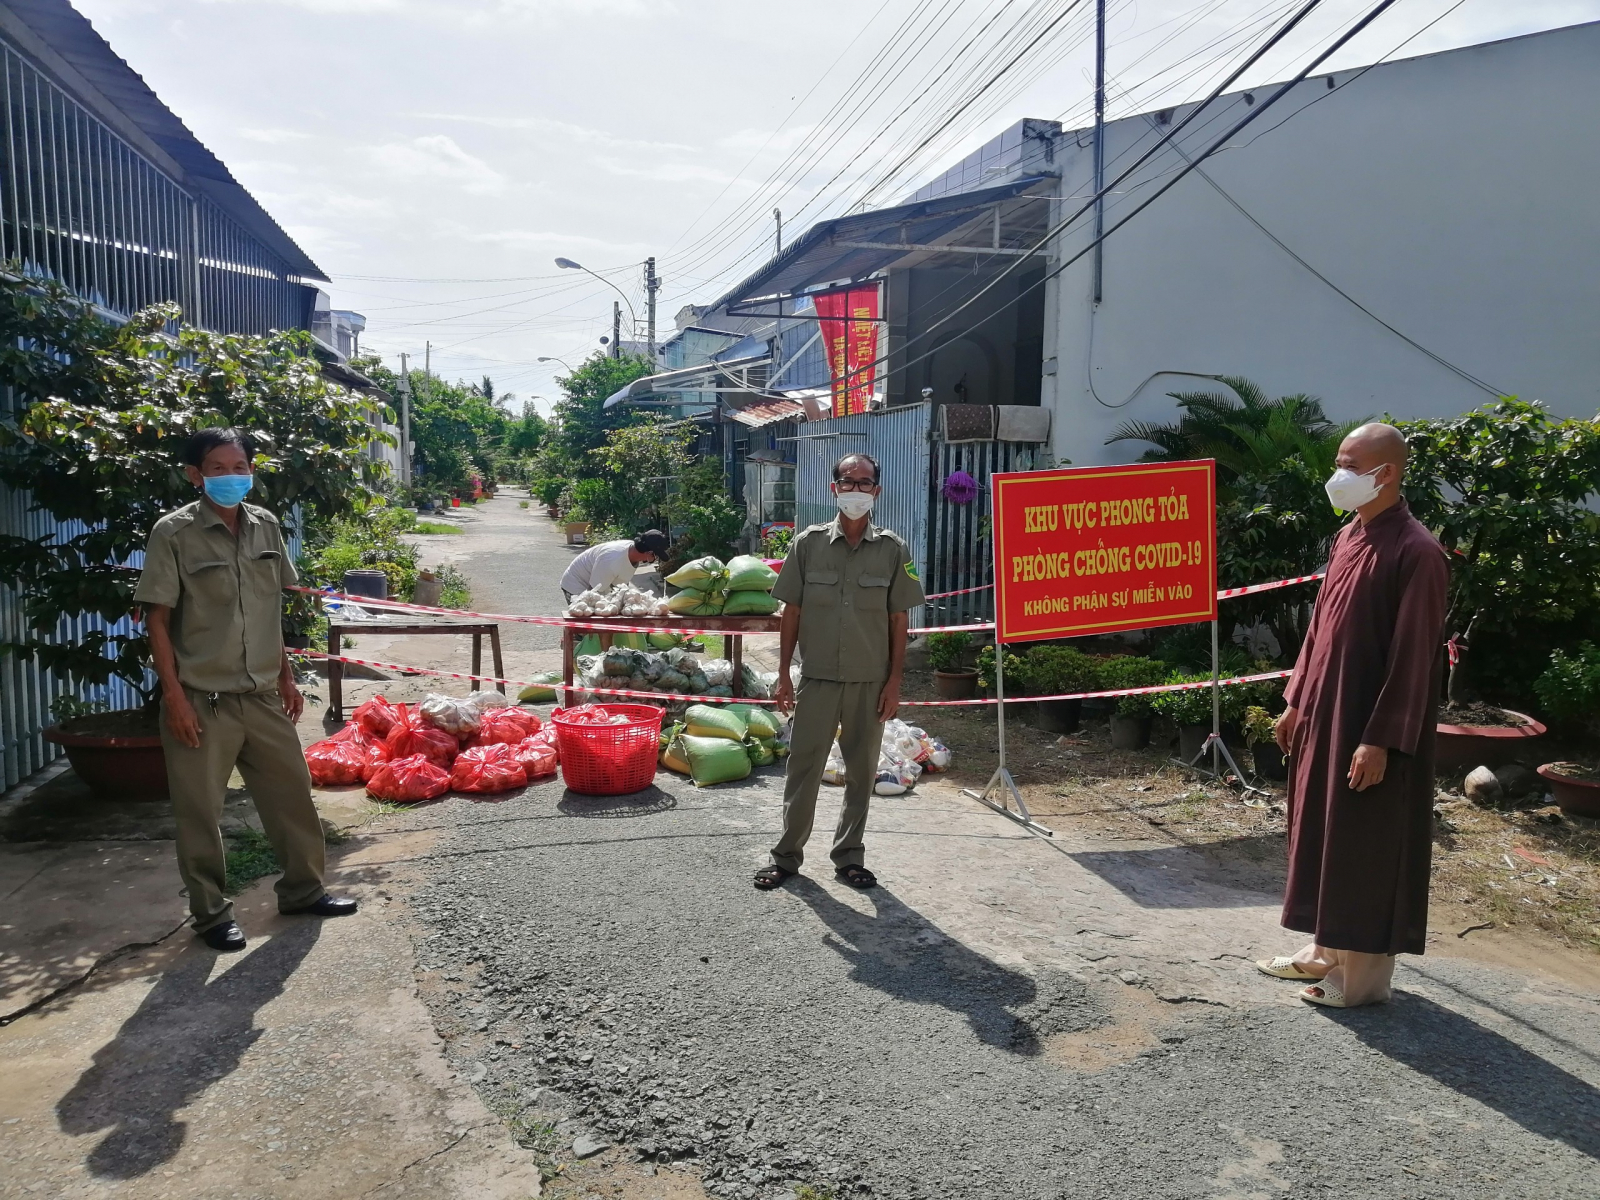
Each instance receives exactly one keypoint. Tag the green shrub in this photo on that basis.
(1259, 725)
(776, 543)
(1051, 670)
(1569, 688)
(945, 650)
(1190, 707)
(1132, 671)
(1014, 671)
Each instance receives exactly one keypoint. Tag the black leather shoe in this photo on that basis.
(224, 938)
(326, 906)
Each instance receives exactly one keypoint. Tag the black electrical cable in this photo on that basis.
(1255, 113)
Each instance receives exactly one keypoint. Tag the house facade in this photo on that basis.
(103, 188)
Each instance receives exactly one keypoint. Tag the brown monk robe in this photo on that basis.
(1360, 732)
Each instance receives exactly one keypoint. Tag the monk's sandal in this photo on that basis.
(1284, 968)
(1324, 994)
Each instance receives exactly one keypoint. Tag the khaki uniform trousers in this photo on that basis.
(821, 707)
(251, 731)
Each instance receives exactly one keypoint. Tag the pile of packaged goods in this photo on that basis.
(476, 743)
(670, 671)
(722, 743)
(905, 754)
(624, 600)
(740, 588)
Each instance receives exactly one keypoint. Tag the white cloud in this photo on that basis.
(274, 137)
(576, 133)
(436, 156)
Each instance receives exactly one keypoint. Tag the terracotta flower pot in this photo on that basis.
(1486, 745)
(956, 685)
(132, 767)
(1580, 797)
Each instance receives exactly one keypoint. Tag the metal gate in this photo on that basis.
(960, 551)
(898, 439)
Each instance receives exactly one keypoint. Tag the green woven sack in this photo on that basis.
(759, 721)
(760, 753)
(540, 691)
(749, 604)
(686, 600)
(662, 641)
(706, 721)
(698, 572)
(747, 573)
(714, 759)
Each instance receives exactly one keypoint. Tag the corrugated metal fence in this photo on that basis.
(960, 544)
(898, 439)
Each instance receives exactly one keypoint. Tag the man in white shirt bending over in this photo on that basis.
(610, 563)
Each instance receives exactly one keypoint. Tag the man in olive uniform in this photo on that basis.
(847, 587)
(212, 590)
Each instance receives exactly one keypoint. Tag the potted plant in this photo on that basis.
(1472, 734)
(1576, 787)
(953, 681)
(1189, 710)
(1260, 734)
(1016, 680)
(1051, 670)
(101, 412)
(1131, 716)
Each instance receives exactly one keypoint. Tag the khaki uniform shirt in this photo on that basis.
(845, 596)
(226, 595)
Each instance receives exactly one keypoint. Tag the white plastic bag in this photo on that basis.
(486, 700)
(450, 714)
(718, 672)
(833, 771)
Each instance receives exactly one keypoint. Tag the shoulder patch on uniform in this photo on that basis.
(911, 570)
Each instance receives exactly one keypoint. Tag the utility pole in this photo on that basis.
(427, 360)
(777, 216)
(1099, 144)
(405, 423)
(652, 284)
(616, 329)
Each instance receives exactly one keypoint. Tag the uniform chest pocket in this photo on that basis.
(265, 568)
(822, 587)
(210, 581)
(872, 592)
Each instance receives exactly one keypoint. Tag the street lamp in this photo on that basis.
(554, 358)
(566, 264)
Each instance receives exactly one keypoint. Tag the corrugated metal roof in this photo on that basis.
(767, 412)
(82, 62)
(816, 259)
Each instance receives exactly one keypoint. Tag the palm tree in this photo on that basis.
(1246, 436)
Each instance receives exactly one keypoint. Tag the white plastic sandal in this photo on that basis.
(1324, 994)
(1284, 968)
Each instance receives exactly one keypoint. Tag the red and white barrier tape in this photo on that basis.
(615, 627)
(694, 699)
(1223, 594)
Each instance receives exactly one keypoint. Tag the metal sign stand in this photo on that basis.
(1000, 783)
(1214, 742)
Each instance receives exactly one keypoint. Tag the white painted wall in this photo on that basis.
(1457, 196)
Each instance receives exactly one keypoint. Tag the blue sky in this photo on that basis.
(435, 157)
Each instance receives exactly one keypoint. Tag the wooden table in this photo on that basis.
(478, 630)
(733, 630)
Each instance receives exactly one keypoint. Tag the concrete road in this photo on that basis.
(1007, 1016)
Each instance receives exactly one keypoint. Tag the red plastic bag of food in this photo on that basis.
(590, 714)
(493, 768)
(537, 756)
(411, 735)
(337, 760)
(506, 726)
(408, 780)
(377, 716)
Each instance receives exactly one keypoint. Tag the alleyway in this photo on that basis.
(1008, 1016)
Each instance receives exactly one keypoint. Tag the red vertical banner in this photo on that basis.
(849, 320)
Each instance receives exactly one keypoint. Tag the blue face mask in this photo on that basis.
(225, 491)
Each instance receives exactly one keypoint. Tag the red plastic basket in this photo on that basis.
(610, 760)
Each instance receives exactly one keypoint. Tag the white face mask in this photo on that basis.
(1348, 491)
(854, 505)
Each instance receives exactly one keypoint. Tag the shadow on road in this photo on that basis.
(1478, 1062)
(902, 954)
(636, 804)
(188, 1034)
(1234, 873)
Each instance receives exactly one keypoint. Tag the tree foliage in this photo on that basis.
(99, 413)
(1506, 488)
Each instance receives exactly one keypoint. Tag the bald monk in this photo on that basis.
(1359, 730)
